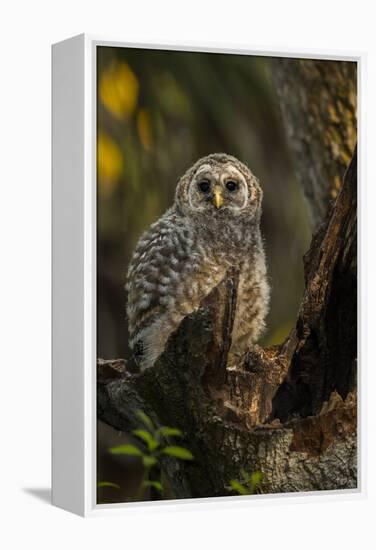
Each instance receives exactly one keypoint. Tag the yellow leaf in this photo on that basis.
(118, 90)
(109, 162)
(144, 129)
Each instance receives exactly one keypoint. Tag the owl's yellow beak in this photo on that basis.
(217, 197)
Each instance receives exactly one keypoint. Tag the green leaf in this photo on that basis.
(238, 487)
(244, 474)
(254, 482)
(149, 461)
(108, 484)
(167, 432)
(145, 419)
(156, 484)
(178, 452)
(256, 478)
(151, 442)
(131, 450)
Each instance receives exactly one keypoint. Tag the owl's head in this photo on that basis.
(219, 185)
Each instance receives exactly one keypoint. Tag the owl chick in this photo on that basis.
(212, 227)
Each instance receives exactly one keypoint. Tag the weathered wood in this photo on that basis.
(324, 344)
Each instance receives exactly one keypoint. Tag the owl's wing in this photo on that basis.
(170, 274)
(156, 269)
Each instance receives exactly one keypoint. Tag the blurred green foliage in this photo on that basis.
(249, 483)
(158, 112)
(154, 444)
(101, 484)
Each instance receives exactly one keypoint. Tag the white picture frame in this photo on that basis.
(74, 278)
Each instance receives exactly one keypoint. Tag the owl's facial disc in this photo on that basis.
(217, 188)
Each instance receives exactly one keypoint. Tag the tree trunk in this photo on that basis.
(318, 103)
(288, 411)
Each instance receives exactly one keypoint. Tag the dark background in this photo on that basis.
(158, 112)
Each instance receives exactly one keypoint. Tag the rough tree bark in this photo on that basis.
(288, 411)
(318, 103)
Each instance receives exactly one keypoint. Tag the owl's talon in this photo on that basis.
(138, 349)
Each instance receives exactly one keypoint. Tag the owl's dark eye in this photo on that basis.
(204, 186)
(231, 185)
